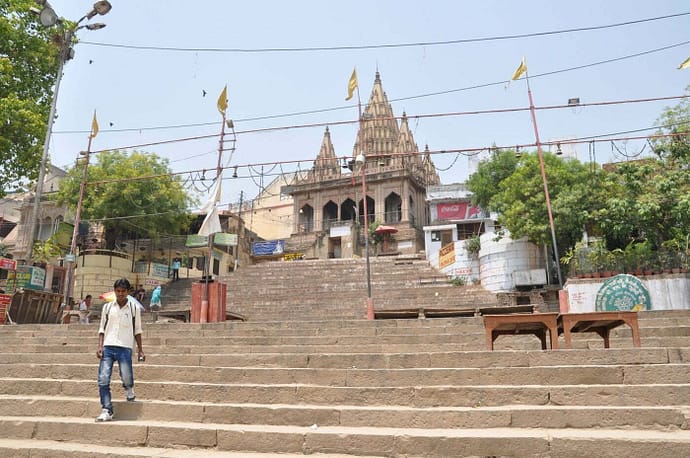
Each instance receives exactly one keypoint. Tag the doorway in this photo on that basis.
(334, 247)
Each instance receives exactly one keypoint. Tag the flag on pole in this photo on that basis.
(685, 64)
(223, 100)
(520, 70)
(94, 125)
(211, 223)
(352, 84)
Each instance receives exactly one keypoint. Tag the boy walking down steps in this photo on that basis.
(120, 327)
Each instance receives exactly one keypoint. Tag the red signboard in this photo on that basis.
(456, 210)
(8, 264)
(5, 300)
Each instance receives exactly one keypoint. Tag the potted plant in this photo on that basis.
(601, 259)
(576, 261)
(472, 246)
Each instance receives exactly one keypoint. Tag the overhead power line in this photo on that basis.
(400, 99)
(612, 136)
(421, 116)
(385, 45)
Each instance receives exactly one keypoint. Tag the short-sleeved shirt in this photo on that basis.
(118, 332)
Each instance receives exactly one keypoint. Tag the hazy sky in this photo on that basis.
(145, 93)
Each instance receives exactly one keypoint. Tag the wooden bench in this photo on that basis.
(598, 322)
(422, 313)
(505, 309)
(522, 323)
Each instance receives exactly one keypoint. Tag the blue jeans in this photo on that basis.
(123, 356)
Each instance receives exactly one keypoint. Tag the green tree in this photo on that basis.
(674, 121)
(129, 207)
(28, 67)
(484, 182)
(650, 201)
(517, 195)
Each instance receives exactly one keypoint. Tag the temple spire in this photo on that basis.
(326, 162)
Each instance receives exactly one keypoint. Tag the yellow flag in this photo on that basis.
(352, 84)
(520, 70)
(94, 125)
(685, 64)
(223, 100)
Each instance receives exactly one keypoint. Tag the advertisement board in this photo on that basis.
(446, 255)
(26, 277)
(269, 248)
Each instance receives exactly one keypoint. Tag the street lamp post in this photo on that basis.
(71, 257)
(362, 159)
(49, 18)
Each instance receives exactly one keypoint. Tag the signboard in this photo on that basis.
(26, 277)
(70, 258)
(293, 256)
(5, 300)
(446, 255)
(456, 211)
(623, 293)
(159, 270)
(8, 264)
(339, 231)
(196, 241)
(269, 248)
(221, 238)
(450, 211)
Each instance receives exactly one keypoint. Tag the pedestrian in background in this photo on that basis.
(176, 269)
(84, 307)
(156, 298)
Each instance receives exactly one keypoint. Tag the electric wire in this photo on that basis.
(421, 116)
(400, 99)
(386, 45)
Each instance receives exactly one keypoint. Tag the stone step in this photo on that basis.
(356, 377)
(34, 448)
(460, 325)
(378, 441)
(414, 395)
(472, 344)
(549, 416)
(391, 360)
(476, 341)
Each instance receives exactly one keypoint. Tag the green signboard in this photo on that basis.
(221, 238)
(26, 277)
(196, 241)
(623, 293)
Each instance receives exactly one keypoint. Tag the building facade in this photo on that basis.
(328, 204)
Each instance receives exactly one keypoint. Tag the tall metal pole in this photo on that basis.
(370, 299)
(543, 178)
(219, 170)
(33, 228)
(69, 277)
(101, 7)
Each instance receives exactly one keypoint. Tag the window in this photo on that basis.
(468, 230)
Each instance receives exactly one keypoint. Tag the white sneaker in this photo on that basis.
(105, 415)
(129, 394)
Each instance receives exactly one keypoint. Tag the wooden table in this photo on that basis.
(522, 323)
(599, 322)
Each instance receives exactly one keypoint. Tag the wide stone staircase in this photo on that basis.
(337, 289)
(393, 388)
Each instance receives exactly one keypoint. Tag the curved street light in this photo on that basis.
(49, 18)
